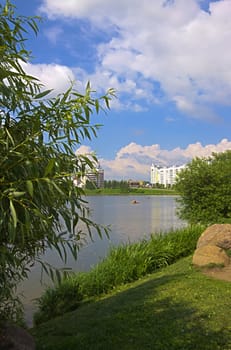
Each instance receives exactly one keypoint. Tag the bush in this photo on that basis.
(204, 187)
(56, 301)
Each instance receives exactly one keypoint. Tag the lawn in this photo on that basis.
(175, 308)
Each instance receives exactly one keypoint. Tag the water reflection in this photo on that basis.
(128, 222)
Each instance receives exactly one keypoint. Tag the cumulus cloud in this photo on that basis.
(84, 150)
(176, 44)
(133, 161)
(52, 76)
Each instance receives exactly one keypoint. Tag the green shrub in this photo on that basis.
(56, 301)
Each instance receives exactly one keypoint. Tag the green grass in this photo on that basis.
(176, 308)
(123, 264)
(131, 191)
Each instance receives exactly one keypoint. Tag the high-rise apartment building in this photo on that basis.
(164, 175)
(96, 177)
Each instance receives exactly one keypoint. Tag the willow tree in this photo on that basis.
(38, 137)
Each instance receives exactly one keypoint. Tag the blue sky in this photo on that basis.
(169, 61)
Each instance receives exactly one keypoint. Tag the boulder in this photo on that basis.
(218, 235)
(210, 254)
(13, 337)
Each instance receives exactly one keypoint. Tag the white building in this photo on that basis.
(96, 177)
(164, 176)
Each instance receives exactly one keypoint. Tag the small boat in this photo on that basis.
(134, 202)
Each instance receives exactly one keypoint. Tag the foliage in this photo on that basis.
(124, 264)
(176, 308)
(64, 297)
(205, 189)
(114, 184)
(90, 185)
(131, 191)
(38, 135)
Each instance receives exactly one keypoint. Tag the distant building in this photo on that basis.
(96, 177)
(135, 184)
(164, 175)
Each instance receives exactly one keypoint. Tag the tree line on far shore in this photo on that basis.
(125, 185)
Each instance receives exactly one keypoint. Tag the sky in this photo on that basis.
(168, 60)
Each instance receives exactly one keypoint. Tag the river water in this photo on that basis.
(128, 223)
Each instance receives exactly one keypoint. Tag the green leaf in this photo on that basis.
(13, 213)
(49, 167)
(17, 194)
(97, 106)
(10, 136)
(30, 187)
(42, 94)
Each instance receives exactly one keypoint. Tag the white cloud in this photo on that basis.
(134, 161)
(53, 34)
(175, 43)
(52, 76)
(84, 150)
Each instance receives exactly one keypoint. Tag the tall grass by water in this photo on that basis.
(123, 264)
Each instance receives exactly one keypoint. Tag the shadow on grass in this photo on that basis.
(142, 317)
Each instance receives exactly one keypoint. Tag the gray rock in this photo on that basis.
(13, 337)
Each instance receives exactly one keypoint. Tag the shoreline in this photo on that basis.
(138, 191)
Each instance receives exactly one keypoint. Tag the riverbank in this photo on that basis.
(176, 308)
(123, 264)
(128, 223)
(131, 191)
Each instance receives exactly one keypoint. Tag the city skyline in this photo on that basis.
(169, 61)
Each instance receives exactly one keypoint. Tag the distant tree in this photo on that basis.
(106, 184)
(38, 136)
(205, 189)
(114, 184)
(90, 185)
(124, 187)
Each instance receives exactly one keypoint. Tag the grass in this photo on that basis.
(175, 308)
(213, 265)
(130, 191)
(124, 264)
